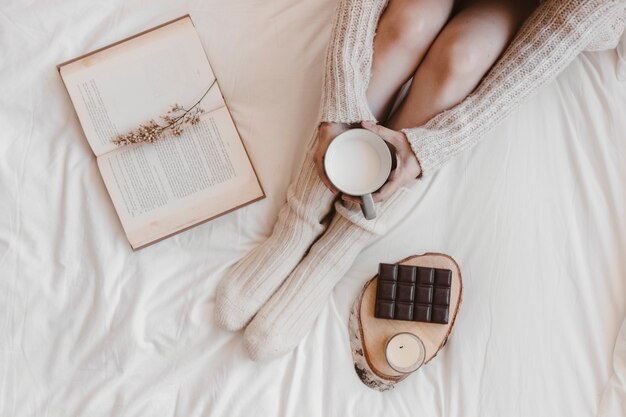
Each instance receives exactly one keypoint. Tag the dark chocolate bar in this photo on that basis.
(415, 293)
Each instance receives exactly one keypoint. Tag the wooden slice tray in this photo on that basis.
(368, 334)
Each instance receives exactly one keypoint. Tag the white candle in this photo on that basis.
(405, 352)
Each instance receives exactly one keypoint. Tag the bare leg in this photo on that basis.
(406, 30)
(460, 56)
(291, 311)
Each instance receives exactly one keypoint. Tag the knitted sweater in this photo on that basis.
(548, 41)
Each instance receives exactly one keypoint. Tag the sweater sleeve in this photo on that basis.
(349, 61)
(548, 41)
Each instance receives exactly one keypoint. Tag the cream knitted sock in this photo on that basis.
(252, 281)
(289, 315)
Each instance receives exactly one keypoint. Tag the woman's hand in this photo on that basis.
(407, 169)
(327, 132)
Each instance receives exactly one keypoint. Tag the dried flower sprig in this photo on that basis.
(174, 120)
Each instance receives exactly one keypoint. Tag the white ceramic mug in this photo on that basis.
(358, 162)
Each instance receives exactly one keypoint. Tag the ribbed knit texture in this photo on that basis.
(251, 282)
(289, 315)
(549, 40)
(349, 61)
(553, 36)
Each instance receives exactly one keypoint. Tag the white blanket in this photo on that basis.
(534, 215)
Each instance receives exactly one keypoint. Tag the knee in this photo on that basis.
(456, 63)
(457, 58)
(412, 29)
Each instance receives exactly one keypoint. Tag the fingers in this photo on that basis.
(397, 139)
(393, 183)
(381, 131)
(356, 200)
(386, 191)
(328, 131)
(319, 164)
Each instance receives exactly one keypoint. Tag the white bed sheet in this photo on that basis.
(534, 215)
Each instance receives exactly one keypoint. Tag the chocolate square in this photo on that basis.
(441, 296)
(424, 295)
(385, 309)
(443, 278)
(405, 292)
(387, 272)
(440, 314)
(425, 276)
(421, 313)
(406, 273)
(386, 291)
(404, 311)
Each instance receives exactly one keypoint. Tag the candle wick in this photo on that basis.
(401, 346)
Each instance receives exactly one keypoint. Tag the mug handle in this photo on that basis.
(367, 206)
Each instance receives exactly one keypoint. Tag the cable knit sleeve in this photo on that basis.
(349, 61)
(549, 40)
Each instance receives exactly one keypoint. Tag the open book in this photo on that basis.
(167, 186)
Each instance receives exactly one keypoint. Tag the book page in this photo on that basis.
(176, 182)
(116, 89)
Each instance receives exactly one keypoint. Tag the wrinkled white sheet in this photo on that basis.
(534, 215)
